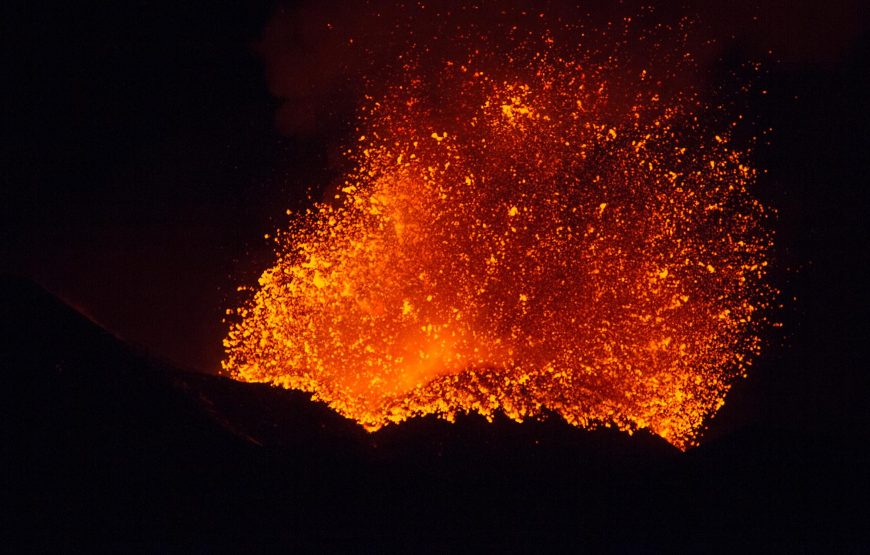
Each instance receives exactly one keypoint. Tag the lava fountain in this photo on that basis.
(524, 231)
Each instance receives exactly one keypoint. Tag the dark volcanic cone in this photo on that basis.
(108, 446)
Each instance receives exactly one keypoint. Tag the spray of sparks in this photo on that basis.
(518, 238)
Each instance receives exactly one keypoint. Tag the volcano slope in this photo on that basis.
(108, 446)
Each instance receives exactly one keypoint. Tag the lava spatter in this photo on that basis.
(525, 230)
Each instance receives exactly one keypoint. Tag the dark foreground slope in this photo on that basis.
(106, 446)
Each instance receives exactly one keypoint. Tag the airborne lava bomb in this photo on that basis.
(527, 228)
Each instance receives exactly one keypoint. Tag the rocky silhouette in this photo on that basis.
(108, 446)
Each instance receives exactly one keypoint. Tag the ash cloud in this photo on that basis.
(319, 57)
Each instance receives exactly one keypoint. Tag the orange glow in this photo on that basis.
(521, 244)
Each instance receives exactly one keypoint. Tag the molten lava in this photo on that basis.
(523, 232)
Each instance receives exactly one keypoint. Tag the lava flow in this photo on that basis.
(525, 231)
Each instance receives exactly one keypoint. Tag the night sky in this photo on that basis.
(149, 146)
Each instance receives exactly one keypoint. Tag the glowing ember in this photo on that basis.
(516, 238)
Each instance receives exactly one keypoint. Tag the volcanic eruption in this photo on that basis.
(530, 226)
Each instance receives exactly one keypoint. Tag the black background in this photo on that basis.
(143, 162)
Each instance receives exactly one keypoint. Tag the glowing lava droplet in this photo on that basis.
(521, 244)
